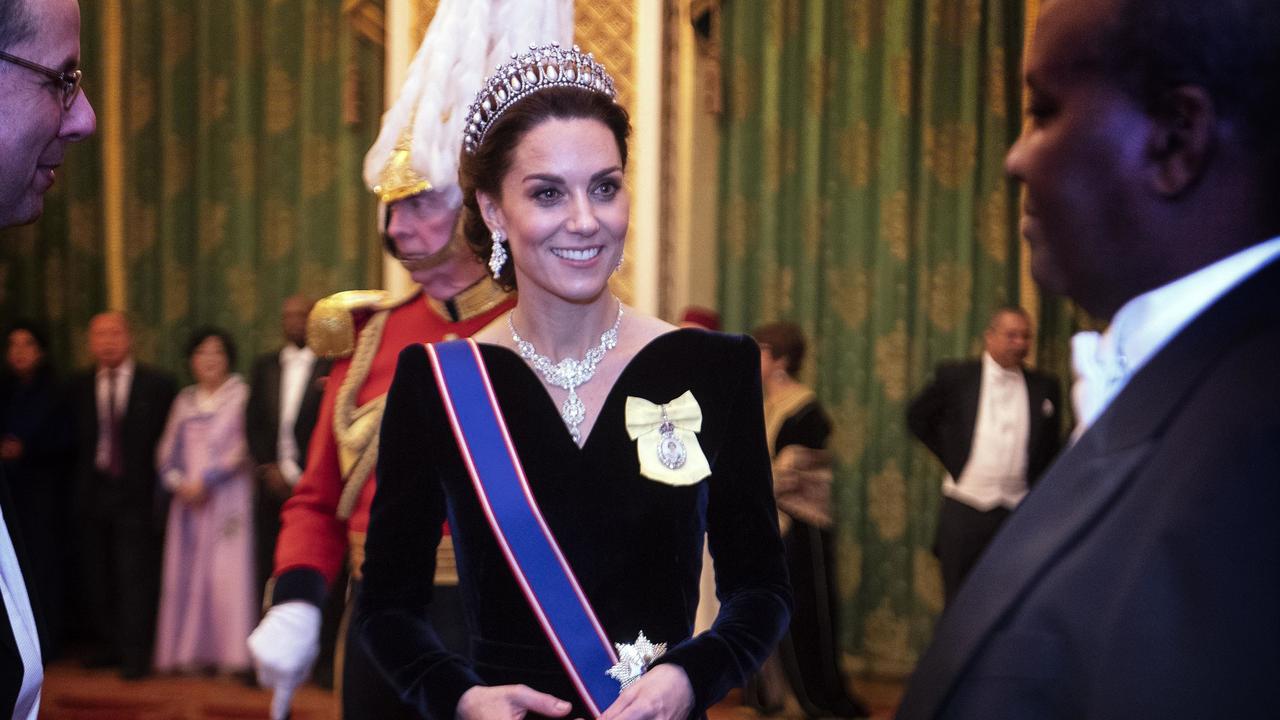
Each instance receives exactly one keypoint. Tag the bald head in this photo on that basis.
(293, 318)
(1008, 337)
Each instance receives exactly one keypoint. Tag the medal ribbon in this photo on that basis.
(531, 550)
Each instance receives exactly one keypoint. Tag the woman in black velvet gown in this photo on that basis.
(542, 179)
(798, 430)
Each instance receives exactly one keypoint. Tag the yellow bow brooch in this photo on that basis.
(666, 439)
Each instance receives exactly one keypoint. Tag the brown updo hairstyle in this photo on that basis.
(484, 171)
(783, 341)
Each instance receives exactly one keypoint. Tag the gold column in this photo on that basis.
(609, 30)
(111, 107)
(1029, 294)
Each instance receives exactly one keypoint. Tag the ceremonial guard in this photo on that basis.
(412, 167)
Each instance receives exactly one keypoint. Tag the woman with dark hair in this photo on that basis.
(34, 444)
(797, 430)
(207, 604)
(578, 448)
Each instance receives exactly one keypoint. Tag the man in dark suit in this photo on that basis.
(284, 401)
(1140, 579)
(121, 407)
(41, 111)
(995, 426)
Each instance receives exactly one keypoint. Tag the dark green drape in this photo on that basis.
(244, 126)
(862, 195)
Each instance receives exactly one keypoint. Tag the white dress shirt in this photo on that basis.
(996, 472)
(296, 364)
(124, 381)
(1145, 324)
(22, 620)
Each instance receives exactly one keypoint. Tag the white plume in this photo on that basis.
(467, 40)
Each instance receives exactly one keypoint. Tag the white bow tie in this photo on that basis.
(1099, 371)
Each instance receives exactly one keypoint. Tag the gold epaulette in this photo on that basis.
(331, 326)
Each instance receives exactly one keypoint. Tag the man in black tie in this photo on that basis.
(42, 110)
(287, 385)
(995, 426)
(1140, 578)
(120, 407)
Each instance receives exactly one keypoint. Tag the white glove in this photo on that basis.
(284, 646)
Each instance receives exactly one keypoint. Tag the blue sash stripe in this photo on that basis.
(552, 591)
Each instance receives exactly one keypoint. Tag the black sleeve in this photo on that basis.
(53, 441)
(257, 416)
(404, 530)
(925, 413)
(747, 552)
(1049, 443)
(309, 410)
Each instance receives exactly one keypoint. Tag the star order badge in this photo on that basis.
(634, 659)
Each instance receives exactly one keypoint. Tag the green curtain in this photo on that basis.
(862, 195)
(244, 126)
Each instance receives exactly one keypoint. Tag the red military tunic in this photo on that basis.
(324, 514)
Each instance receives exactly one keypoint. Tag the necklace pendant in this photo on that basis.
(671, 450)
(573, 412)
(569, 373)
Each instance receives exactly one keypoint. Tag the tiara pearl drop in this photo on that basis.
(539, 68)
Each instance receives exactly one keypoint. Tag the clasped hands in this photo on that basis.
(662, 693)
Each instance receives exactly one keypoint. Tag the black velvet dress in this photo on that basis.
(810, 652)
(635, 544)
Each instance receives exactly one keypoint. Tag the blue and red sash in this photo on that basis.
(531, 551)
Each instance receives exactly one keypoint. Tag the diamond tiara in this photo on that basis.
(541, 67)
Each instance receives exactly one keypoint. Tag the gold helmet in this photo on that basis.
(417, 149)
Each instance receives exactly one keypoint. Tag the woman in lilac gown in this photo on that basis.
(207, 606)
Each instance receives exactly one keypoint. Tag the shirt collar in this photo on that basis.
(291, 352)
(124, 370)
(993, 369)
(1147, 322)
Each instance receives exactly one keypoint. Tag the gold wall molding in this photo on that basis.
(368, 19)
(1029, 294)
(113, 179)
(607, 29)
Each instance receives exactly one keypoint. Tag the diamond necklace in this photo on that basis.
(569, 373)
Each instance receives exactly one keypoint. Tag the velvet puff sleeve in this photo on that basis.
(404, 530)
(747, 552)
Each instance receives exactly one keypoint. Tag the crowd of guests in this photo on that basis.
(151, 513)
(1137, 579)
(175, 497)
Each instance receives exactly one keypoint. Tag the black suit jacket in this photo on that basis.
(1140, 579)
(135, 499)
(944, 414)
(262, 413)
(11, 670)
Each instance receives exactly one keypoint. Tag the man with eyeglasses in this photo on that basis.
(41, 106)
(41, 110)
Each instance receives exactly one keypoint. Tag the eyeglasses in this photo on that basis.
(70, 81)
